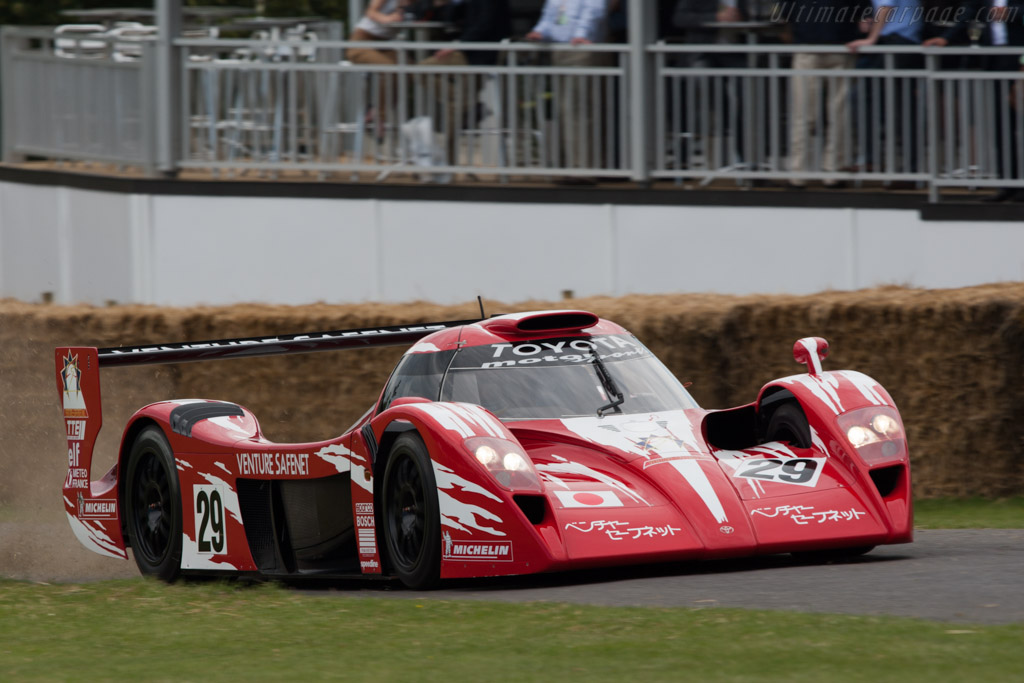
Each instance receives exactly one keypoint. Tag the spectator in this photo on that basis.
(578, 23)
(820, 22)
(376, 26)
(894, 22)
(482, 21)
(1004, 26)
(618, 21)
(692, 17)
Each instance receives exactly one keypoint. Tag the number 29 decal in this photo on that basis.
(798, 471)
(211, 531)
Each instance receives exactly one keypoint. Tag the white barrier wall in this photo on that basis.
(97, 247)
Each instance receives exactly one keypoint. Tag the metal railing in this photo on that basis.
(260, 105)
(932, 118)
(75, 103)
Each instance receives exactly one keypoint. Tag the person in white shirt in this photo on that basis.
(375, 26)
(579, 23)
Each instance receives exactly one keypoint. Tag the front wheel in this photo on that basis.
(153, 506)
(412, 525)
(788, 423)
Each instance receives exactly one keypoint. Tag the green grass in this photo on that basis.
(141, 629)
(971, 513)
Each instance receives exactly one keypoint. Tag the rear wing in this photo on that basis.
(251, 347)
(92, 505)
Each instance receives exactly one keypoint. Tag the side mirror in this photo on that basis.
(810, 351)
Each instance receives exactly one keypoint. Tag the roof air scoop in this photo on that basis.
(541, 321)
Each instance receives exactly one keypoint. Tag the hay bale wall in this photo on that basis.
(952, 359)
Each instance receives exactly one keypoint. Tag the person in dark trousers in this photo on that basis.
(1002, 25)
(475, 21)
(820, 22)
(692, 18)
(579, 23)
(898, 23)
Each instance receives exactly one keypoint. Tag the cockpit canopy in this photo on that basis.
(559, 377)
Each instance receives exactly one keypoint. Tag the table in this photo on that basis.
(109, 15)
(728, 29)
(208, 15)
(272, 25)
(422, 32)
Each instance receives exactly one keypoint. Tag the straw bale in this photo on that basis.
(952, 360)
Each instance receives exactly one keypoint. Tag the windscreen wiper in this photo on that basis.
(609, 385)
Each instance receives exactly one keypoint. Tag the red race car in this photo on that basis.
(523, 443)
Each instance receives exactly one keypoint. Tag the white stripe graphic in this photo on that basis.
(476, 416)
(695, 477)
(814, 362)
(447, 418)
(822, 386)
(865, 385)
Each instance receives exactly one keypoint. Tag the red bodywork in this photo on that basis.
(617, 489)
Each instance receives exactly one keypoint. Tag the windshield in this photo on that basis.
(557, 378)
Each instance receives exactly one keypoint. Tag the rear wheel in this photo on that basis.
(412, 525)
(788, 423)
(153, 505)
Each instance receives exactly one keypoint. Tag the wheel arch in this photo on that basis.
(131, 432)
(771, 398)
(384, 445)
(420, 569)
(392, 430)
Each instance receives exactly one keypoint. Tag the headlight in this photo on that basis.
(876, 432)
(515, 463)
(885, 425)
(505, 461)
(860, 436)
(486, 455)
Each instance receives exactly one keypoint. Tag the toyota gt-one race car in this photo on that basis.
(522, 443)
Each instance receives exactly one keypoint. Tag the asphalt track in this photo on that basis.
(964, 576)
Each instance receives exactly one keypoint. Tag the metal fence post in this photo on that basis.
(6, 115)
(167, 84)
(640, 18)
(931, 67)
(147, 97)
(9, 41)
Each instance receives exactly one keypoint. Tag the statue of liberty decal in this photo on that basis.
(71, 376)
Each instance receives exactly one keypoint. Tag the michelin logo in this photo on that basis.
(492, 551)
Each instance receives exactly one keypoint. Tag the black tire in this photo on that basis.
(153, 506)
(411, 521)
(788, 423)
